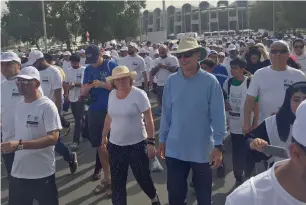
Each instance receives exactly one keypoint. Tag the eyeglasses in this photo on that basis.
(299, 46)
(185, 55)
(282, 51)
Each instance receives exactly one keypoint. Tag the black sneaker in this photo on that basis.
(74, 164)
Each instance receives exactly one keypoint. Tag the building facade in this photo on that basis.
(200, 19)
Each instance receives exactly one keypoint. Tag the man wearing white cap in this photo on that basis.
(233, 53)
(123, 52)
(51, 83)
(66, 62)
(10, 67)
(83, 58)
(148, 60)
(285, 182)
(136, 63)
(36, 127)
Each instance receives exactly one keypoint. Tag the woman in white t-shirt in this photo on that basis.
(130, 143)
(276, 130)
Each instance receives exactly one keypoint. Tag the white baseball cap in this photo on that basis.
(231, 47)
(106, 53)
(82, 51)
(221, 54)
(28, 73)
(299, 128)
(251, 41)
(34, 56)
(143, 50)
(10, 56)
(124, 48)
(67, 53)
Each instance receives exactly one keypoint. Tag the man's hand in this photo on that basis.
(70, 86)
(97, 84)
(227, 106)
(216, 158)
(161, 150)
(258, 144)
(8, 147)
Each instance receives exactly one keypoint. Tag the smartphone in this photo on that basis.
(275, 151)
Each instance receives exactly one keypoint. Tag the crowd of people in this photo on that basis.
(253, 88)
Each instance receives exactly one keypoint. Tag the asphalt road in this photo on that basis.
(77, 189)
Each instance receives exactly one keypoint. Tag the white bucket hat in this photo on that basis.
(120, 72)
(190, 44)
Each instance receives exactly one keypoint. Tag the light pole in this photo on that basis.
(273, 17)
(44, 25)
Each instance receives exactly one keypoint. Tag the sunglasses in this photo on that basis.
(300, 46)
(283, 51)
(23, 82)
(185, 55)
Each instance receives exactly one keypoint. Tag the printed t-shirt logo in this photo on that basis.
(15, 92)
(32, 121)
(45, 79)
(287, 83)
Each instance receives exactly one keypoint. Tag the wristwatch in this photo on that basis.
(220, 147)
(20, 145)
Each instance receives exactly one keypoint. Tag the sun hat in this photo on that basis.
(124, 48)
(231, 47)
(9, 56)
(299, 128)
(28, 73)
(120, 72)
(190, 44)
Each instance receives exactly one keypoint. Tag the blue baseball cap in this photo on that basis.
(92, 53)
(212, 52)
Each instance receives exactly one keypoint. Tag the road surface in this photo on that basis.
(77, 189)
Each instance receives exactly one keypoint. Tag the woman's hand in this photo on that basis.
(258, 144)
(151, 151)
(104, 142)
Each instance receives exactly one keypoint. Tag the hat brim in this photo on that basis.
(132, 74)
(201, 49)
(27, 77)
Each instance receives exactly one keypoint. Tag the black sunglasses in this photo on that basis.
(282, 51)
(185, 55)
(300, 46)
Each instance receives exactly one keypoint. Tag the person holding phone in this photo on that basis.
(96, 87)
(276, 129)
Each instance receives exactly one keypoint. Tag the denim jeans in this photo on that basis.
(177, 174)
(64, 151)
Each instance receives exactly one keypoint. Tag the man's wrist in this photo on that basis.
(220, 147)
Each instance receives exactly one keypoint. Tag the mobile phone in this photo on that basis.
(275, 151)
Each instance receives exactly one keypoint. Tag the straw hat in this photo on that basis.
(121, 72)
(190, 44)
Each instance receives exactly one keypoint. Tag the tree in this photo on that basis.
(22, 21)
(106, 20)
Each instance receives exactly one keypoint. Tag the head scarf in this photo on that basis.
(285, 117)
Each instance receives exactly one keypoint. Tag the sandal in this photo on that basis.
(104, 186)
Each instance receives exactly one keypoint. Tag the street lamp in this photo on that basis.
(44, 25)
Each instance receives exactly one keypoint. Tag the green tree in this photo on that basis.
(23, 20)
(106, 20)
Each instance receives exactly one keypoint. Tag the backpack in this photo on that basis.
(229, 84)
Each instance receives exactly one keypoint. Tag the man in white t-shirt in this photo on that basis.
(123, 52)
(300, 53)
(36, 127)
(270, 84)
(148, 60)
(66, 63)
(285, 182)
(164, 66)
(83, 58)
(51, 84)
(136, 63)
(10, 67)
(73, 82)
(233, 53)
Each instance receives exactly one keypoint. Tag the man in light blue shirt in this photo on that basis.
(192, 126)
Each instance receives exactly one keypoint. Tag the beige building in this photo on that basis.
(200, 19)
